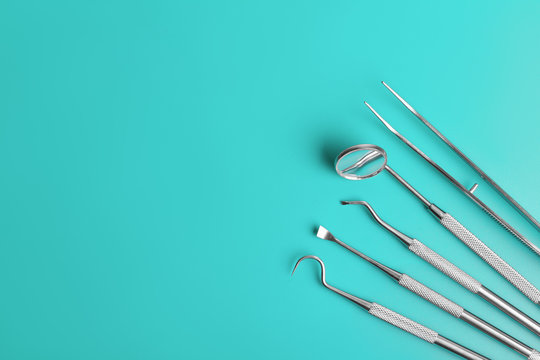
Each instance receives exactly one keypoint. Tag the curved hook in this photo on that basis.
(363, 303)
(401, 236)
(316, 258)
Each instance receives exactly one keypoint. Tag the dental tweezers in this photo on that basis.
(476, 168)
(468, 192)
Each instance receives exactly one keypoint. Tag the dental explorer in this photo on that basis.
(438, 300)
(475, 167)
(469, 193)
(398, 320)
(452, 271)
(351, 162)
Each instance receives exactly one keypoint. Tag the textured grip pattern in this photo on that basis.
(534, 356)
(403, 323)
(445, 266)
(491, 258)
(430, 295)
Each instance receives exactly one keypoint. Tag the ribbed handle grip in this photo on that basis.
(403, 323)
(534, 356)
(445, 266)
(431, 295)
(489, 256)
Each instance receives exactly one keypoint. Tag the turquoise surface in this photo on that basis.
(165, 163)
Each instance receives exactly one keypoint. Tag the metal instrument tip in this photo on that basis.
(324, 234)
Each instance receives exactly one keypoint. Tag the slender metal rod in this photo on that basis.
(458, 349)
(456, 183)
(389, 271)
(509, 309)
(323, 233)
(408, 186)
(476, 168)
(407, 240)
(497, 334)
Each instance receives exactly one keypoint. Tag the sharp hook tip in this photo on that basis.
(296, 265)
(321, 264)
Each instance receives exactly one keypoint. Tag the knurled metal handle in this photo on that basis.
(403, 323)
(445, 266)
(431, 295)
(534, 356)
(489, 256)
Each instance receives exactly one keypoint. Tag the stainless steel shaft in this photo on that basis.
(433, 296)
(473, 285)
(476, 168)
(490, 257)
(457, 311)
(451, 270)
(422, 332)
(456, 183)
(498, 334)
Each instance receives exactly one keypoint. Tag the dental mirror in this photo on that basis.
(366, 160)
(361, 162)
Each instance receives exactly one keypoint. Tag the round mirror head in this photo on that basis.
(361, 162)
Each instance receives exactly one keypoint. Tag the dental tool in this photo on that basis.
(363, 161)
(453, 272)
(469, 193)
(398, 320)
(438, 300)
(476, 168)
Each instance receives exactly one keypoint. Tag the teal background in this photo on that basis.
(164, 164)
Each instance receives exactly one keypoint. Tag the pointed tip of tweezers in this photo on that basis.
(385, 123)
(391, 90)
(395, 94)
(406, 104)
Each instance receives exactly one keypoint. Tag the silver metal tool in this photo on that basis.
(469, 193)
(476, 168)
(364, 161)
(398, 320)
(438, 300)
(454, 272)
